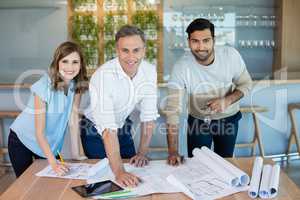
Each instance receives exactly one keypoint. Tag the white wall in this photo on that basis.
(28, 38)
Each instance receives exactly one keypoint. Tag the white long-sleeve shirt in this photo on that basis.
(114, 95)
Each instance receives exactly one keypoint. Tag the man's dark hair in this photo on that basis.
(128, 30)
(200, 24)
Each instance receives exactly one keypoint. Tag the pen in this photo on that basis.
(60, 158)
(141, 180)
(182, 159)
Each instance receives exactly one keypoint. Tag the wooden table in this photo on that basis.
(31, 187)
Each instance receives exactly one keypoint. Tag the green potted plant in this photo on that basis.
(148, 21)
(85, 32)
(108, 26)
(151, 51)
(78, 3)
(109, 49)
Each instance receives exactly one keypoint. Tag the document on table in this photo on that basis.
(208, 176)
(81, 171)
(153, 178)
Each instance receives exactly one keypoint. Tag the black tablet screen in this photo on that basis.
(97, 188)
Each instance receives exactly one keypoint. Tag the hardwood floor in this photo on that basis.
(7, 177)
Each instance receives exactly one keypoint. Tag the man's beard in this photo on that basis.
(201, 58)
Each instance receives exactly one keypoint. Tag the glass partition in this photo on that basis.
(246, 25)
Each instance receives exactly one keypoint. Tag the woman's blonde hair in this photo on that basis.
(63, 50)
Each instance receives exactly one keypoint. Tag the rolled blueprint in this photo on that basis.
(255, 178)
(274, 183)
(243, 178)
(220, 170)
(264, 190)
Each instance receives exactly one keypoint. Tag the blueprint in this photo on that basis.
(154, 178)
(208, 176)
(81, 171)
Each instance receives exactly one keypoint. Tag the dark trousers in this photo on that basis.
(93, 144)
(20, 156)
(222, 132)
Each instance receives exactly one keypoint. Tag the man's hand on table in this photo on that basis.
(139, 160)
(175, 159)
(126, 179)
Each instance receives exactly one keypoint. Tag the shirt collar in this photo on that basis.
(140, 75)
(211, 65)
(119, 70)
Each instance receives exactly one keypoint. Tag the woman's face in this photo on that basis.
(69, 66)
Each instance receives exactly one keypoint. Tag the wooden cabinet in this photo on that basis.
(287, 54)
(108, 17)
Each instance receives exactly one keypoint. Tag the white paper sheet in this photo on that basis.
(236, 173)
(153, 176)
(77, 170)
(99, 167)
(174, 181)
(256, 177)
(198, 181)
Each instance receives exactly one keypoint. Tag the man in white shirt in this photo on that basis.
(116, 89)
(215, 79)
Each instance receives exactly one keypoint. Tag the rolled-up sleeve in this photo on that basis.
(244, 82)
(241, 77)
(102, 107)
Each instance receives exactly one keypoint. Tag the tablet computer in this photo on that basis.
(98, 188)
